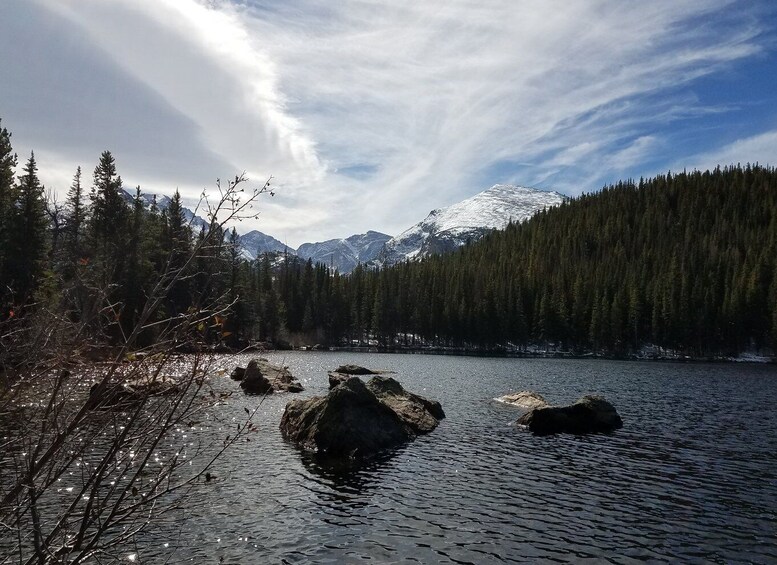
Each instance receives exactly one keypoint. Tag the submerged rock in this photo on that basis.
(263, 377)
(524, 399)
(358, 419)
(590, 414)
(127, 392)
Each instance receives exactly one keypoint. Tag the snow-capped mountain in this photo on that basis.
(443, 230)
(254, 243)
(446, 229)
(345, 254)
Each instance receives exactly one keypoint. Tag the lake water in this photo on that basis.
(689, 478)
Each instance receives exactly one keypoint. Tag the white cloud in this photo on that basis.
(633, 154)
(370, 113)
(434, 93)
(761, 148)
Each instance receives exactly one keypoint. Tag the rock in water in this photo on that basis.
(263, 377)
(337, 378)
(355, 419)
(254, 381)
(345, 372)
(349, 421)
(420, 414)
(590, 414)
(354, 370)
(524, 399)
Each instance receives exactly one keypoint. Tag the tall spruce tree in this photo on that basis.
(108, 220)
(177, 242)
(75, 216)
(7, 169)
(27, 240)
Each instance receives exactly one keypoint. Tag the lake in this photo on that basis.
(690, 477)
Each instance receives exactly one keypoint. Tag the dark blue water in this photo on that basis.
(691, 477)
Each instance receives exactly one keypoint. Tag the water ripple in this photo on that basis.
(690, 477)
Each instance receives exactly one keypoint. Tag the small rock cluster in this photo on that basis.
(357, 418)
(345, 372)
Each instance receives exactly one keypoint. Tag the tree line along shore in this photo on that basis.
(683, 262)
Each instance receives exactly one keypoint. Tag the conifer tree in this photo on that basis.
(177, 245)
(108, 222)
(75, 216)
(7, 198)
(27, 241)
(109, 209)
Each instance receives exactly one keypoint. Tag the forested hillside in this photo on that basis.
(684, 261)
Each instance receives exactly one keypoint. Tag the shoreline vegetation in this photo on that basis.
(537, 353)
(684, 261)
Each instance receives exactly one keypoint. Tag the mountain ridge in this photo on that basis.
(346, 253)
(448, 228)
(443, 230)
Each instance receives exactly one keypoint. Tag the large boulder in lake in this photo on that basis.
(358, 419)
(590, 414)
(525, 399)
(263, 377)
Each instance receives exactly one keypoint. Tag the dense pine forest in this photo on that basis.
(682, 261)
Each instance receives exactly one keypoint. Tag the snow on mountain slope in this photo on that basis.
(254, 243)
(443, 230)
(345, 254)
(446, 229)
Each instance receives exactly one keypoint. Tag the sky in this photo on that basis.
(368, 114)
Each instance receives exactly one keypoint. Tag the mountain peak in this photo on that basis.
(254, 243)
(345, 254)
(445, 229)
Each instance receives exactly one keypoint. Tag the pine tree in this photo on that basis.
(75, 217)
(108, 221)
(109, 209)
(7, 198)
(177, 244)
(27, 241)
(132, 288)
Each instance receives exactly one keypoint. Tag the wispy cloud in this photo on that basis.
(761, 148)
(370, 113)
(434, 94)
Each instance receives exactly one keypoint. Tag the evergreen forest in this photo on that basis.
(682, 261)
